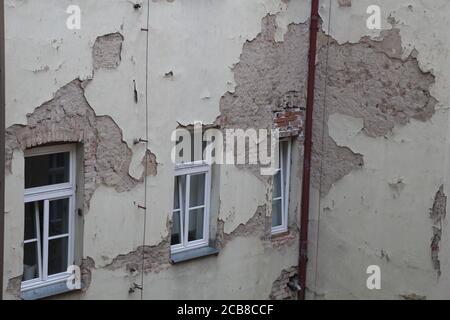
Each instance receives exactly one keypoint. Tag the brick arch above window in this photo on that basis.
(68, 117)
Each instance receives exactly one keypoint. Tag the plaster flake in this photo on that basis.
(107, 51)
(86, 267)
(259, 225)
(144, 258)
(437, 214)
(280, 289)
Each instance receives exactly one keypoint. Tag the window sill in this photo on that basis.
(193, 254)
(46, 291)
(279, 234)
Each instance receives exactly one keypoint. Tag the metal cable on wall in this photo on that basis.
(323, 151)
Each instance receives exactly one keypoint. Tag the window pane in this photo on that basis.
(196, 218)
(197, 191)
(176, 228)
(30, 261)
(58, 217)
(277, 185)
(47, 169)
(30, 221)
(176, 194)
(57, 255)
(276, 213)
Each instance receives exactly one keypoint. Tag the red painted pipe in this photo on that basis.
(304, 215)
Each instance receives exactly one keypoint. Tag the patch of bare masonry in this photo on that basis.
(270, 92)
(412, 296)
(107, 51)
(270, 82)
(266, 72)
(13, 287)
(345, 3)
(281, 288)
(437, 214)
(146, 258)
(69, 118)
(258, 225)
(366, 80)
(86, 272)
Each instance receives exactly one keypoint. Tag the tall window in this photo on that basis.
(49, 215)
(190, 221)
(280, 196)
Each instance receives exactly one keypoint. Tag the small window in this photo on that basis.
(190, 220)
(280, 196)
(49, 215)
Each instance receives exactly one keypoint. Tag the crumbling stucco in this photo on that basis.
(412, 296)
(366, 80)
(281, 288)
(69, 118)
(345, 3)
(107, 51)
(13, 287)
(258, 225)
(437, 214)
(86, 272)
(267, 76)
(150, 258)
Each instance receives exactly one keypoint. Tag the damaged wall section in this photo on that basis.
(366, 80)
(270, 78)
(69, 118)
(282, 288)
(107, 51)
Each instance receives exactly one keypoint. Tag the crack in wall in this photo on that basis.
(437, 214)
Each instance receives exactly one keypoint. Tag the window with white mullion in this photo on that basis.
(54, 212)
(191, 208)
(186, 210)
(280, 195)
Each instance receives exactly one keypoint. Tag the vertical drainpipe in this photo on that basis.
(304, 215)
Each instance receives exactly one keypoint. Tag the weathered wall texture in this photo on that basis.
(89, 86)
(381, 147)
(380, 177)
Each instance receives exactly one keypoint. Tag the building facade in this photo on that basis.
(99, 92)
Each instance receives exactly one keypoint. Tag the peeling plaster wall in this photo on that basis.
(194, 54)
(383, 100)
(381, 135)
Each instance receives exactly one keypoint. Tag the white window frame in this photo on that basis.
(188, 169)
(46, 194)
(283, 227)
